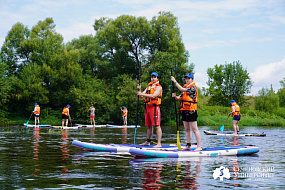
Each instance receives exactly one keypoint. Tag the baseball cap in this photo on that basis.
(189, 75)
(233, 101)
(154, 73)
(68, 105)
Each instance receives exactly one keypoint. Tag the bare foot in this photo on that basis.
(145, 143)
(187, 148)
(157, 146)
(198, 149)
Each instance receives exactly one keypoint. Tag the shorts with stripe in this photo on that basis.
(152, 115)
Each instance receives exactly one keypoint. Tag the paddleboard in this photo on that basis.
(122, 126)
(32, 125)
(121, 147)
(64, 127)
(229, 133)
(89, 126)
(206, 152)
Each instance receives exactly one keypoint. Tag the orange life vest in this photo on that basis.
(125, 112)
(150, 90)
(237, 110)
(38, 110)
(187, 103)
(65, 111)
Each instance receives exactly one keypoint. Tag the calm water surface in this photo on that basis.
(46, 159)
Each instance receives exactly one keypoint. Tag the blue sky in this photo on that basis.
(213, 31)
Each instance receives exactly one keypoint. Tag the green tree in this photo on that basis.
(30, 88)
(281, 93)
(14, 53)
(267, 100)
(5, 89)
(227, 82)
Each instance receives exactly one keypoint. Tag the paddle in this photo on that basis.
(178, 140)
(70, 120)
(137, 104)
(29, 118)
(222, 128)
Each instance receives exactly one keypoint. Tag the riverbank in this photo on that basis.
(207, 116)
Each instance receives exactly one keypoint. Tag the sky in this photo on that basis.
(215, 32)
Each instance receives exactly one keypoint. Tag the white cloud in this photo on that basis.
(75, 31)
(266, 75)
(200, 80)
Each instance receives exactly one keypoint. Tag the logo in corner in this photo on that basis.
(221, 173)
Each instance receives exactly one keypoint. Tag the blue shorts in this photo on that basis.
(236, 117)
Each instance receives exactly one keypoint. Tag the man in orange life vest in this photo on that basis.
(188, 106)
(125, 115)
(235, 111)
(65, 114)
(37, 111)
(152, 101)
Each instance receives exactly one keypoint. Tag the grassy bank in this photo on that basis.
(217, 115)
(208, 116)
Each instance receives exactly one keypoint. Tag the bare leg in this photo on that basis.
(159, 135)
(188, 133)
(149, 135)
(197, 134)
(235, 125)
(66, 122)
(62, 123)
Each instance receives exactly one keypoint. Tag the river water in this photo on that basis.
(45, 159)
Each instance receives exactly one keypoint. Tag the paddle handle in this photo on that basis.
(174, 100)
(137, 111)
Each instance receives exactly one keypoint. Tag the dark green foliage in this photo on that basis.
(267, 100)
(228, 82)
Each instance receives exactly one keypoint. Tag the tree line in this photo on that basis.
(36, 66)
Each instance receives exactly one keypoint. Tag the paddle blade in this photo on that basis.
(222, 128)
(27, 122)
(178, 141)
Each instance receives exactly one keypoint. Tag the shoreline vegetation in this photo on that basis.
(207, 116)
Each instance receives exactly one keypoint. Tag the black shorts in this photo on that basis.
(236, 117)
(37, 115)
(189, 115)
(63, 116)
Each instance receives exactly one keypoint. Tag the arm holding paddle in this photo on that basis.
(175, 97)
(178, 85)
(154, 95)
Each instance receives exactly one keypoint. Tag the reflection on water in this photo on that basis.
(36, 148)
(40, 158)
(124, 135)
(65, 154)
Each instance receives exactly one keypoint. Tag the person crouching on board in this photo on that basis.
(152, 94)
(37, 111)
(125, 115)
(92, 114)
(65, 114)
(188, 106)
(235, 111)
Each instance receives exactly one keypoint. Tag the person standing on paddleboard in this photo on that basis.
(235, 111)
(152, 94)
(125, 115)
(188, 107)
(92, 114)
(65, 114)
(37, 111)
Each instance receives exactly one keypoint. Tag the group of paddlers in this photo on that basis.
(153, 94)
